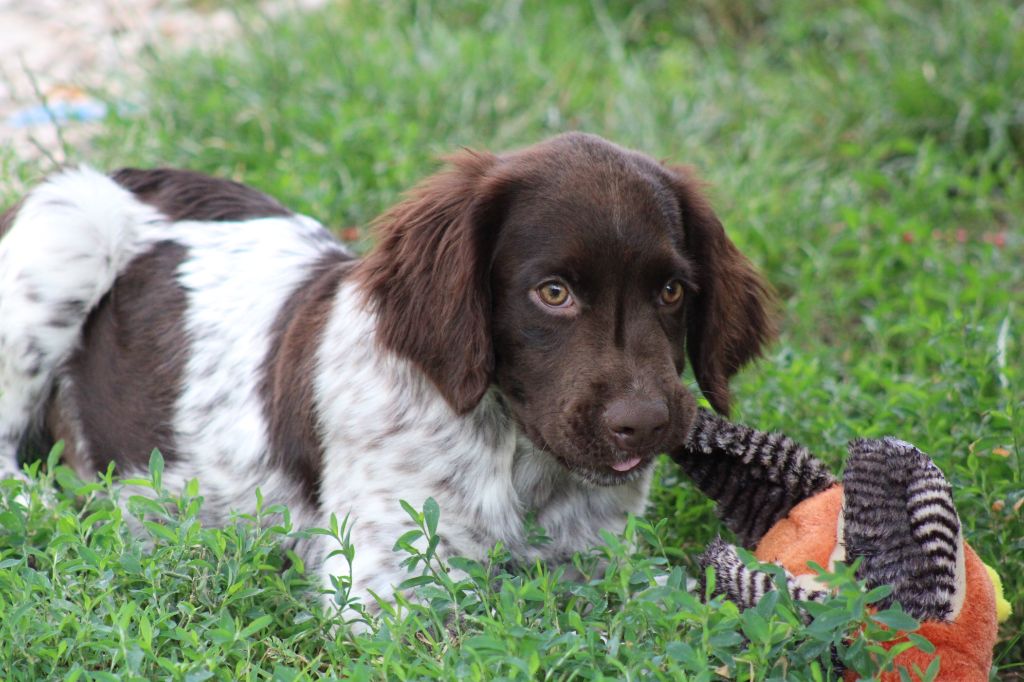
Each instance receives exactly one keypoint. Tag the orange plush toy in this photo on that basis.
(894, 509)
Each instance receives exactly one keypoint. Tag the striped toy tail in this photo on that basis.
(756, 477)
(900, 518)
(746, 586)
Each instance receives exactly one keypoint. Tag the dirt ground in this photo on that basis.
(57, 51)
(53, 53)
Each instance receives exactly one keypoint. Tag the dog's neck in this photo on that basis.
(490, 477)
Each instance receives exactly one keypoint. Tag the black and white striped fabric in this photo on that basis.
(745, 586)
(898, 514)
(756, 477)
(900, 517)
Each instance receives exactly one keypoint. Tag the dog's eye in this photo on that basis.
(672, 292)
(554, 294)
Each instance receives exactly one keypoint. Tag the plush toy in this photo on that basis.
(894, 509)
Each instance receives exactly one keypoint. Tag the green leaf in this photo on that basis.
(256, 626)
(53, 458)
(407, 539)
(156, 468)
(161, 531)
(755, 627)
(411, 511)
(199, 676)
(921, 643)
(417, 581)
(725, 639)
(825, 624)
(486, 643)
(145, 632)
(431, 514)
(895, 620)
(877, 593)
(125, 614)
(470, 567)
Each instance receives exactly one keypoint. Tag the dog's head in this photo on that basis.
(576, 276)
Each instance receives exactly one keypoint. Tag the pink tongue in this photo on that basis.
(627, 465)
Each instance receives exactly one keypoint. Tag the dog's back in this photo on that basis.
(104, 284)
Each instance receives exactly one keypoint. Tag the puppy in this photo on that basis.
(512, 345)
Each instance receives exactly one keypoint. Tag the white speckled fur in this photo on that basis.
(388, 434)
(237, 275)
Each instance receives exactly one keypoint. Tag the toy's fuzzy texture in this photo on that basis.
(899, 516)
(801, 534)
(894, 510)
(963, 643)
(755, 477)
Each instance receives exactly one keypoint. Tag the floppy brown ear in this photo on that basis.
(428, 280)
(728, 321)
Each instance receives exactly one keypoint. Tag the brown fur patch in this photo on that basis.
(60, 425)
(187, 195)
(126, 375)
(428, 279)
(287, 386)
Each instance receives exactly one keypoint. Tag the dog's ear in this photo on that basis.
(428, 277)
(728, 321)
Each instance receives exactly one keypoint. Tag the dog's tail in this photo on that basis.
(63, 247)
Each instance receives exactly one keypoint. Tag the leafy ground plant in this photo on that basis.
(99, 584)
(867, 156)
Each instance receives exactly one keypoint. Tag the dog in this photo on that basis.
(511, 346)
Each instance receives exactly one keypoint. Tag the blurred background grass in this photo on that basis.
(867, 156)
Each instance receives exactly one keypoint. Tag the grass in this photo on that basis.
(868, 157)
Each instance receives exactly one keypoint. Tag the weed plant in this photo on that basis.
(867, 156)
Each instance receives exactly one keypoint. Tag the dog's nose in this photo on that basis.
(636, 424)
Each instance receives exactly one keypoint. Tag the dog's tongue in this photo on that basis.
(627, 465)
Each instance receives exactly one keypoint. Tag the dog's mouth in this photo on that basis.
(627, 465)
(602, 464)
(624, 470)
(592, 460)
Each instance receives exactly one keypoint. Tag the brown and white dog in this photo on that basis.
(511, 346)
